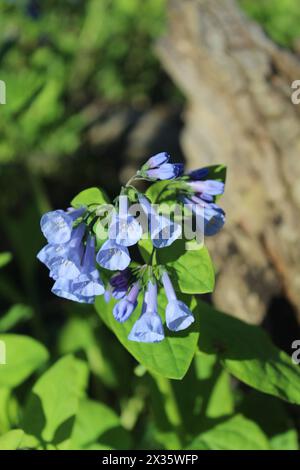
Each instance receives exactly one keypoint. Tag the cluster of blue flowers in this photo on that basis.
(148, 328)
(72, 257)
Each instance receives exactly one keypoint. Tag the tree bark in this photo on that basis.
(239, 112)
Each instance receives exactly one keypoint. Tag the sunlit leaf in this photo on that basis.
(24, 355)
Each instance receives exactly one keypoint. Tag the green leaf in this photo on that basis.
(145, 247)
(213, 386)
(11, 440)
(5, 258)
(78, 335)
(24, 355)
(234, 433)
(164, 191)
(90, 196)
(191, 271)
(96, 424)
(54, 400)
(247, 353)
(272, 417)
(205, 392)
(170, 358)
(9, 410)
(217, 172)
(16, 314)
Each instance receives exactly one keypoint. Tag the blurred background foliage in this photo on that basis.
(279, 18)
(87, 100)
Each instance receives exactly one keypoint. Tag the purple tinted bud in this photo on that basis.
(121, 279)
(157, 160)
(211, 187)
(198, 174)
(119, 284)
(123, 309)
(206, 197)
(167, 171)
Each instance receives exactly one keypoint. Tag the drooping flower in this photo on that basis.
(64, 288)
(125, 230)
(178, 315)
(163, 231)
(113, 256)
(210, 217)
(72, 261)
(88, 283)
(124, 308)
(57, 225)
(148, 328)
(67, 265)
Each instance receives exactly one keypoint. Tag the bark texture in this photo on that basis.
(239, 112)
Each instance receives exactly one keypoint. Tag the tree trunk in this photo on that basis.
(239, 112)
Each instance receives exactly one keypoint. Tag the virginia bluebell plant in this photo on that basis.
(80, 262)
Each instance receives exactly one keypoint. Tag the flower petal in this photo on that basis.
(147, 329)
(113, 256)
(125, 231)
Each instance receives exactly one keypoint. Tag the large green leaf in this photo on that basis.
(53, 403)
(248, 354)
(97, 424)
(11, 440)
(24, 355)
(191, 271)
(170, 358)
(234, 433)
(90, 196)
